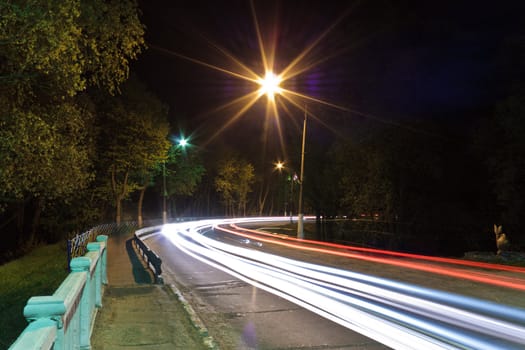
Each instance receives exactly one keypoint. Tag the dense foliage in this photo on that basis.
(62, 160)
(234, 182)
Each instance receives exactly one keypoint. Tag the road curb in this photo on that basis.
(207, 339)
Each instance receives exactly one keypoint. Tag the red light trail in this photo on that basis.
(397, 314)
(302, 244)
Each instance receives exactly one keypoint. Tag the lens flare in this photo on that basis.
(270, 85)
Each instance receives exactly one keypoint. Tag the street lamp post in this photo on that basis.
(280, 166)
(164, 194)
(270, 87)
(182, 143)
(300, 215)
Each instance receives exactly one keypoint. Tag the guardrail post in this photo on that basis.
(48, 307)
(96, 247)
(82, 264)
(68, 249)
(39, 334)
(104, 239)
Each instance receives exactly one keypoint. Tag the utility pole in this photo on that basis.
(164, 194)
(300, 215)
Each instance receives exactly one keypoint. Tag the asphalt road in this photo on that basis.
(240, 316)
(382, 294)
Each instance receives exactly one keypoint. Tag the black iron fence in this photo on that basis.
(77, 245)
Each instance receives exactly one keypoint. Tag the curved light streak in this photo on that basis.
(389, 252)
(487, 278)
(399, 315)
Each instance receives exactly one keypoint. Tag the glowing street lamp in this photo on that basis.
(279, 166)
(183, 142)
(270, 85)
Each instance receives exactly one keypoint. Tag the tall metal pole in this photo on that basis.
(164, 194)
(300, 215)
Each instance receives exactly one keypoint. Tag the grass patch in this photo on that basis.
(37, 273)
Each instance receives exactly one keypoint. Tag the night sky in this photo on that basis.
(390, 60)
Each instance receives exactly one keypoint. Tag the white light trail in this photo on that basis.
(398, 315)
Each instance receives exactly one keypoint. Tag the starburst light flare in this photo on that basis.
(271, 82)
(270, 85)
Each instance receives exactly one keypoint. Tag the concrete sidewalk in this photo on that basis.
(137, 313)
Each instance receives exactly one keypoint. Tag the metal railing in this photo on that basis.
(153, 261)
(77, 245)
(64, 320)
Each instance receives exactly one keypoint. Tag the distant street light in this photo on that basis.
(280, 166)
(183, 142)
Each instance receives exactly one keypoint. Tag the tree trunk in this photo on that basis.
(139, 206)
(118, 207)
(32, 234)
(20, 216)
(119, 195)
(263, 196)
